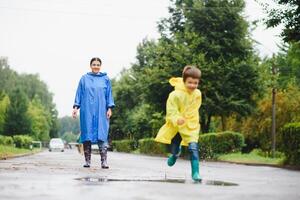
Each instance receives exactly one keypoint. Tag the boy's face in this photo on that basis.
(191, 83)
(95, 66)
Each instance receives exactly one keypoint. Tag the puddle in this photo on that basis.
(101, 180)
(218, 183)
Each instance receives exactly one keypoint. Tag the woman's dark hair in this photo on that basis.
(95, 59)
(191, 71)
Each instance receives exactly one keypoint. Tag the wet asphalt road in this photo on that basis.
(56, 175)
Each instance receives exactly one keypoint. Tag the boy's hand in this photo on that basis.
(180, 121)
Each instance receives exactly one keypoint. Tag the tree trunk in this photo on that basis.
(205, 123)
(223, 119)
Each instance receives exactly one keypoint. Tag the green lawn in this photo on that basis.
(251, 158)
(9, 151)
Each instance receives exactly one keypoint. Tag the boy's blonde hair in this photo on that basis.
(191, 71)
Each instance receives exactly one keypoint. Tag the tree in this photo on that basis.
(287, 14)
(128, 95)
(31, 88)
(40, 120)
(68, 125)
(69, 137)
(17, 121)
(8, 77)
(213, 35)
(4, 103)
(54, 121)
(257, 127)
(35, 88)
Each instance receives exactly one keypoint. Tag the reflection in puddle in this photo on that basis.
(100, 180)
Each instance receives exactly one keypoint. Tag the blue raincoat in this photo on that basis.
(94, 97)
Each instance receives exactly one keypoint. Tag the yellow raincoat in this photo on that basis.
(185, 105)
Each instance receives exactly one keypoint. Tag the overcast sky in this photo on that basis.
(57, 38)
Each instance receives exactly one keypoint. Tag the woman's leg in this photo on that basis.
(194, 156)
(87, 149)
(175, 149)
(103, 153)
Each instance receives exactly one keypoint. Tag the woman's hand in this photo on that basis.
(108, 113)
(74, 113)
(180, 121)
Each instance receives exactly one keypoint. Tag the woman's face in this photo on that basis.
(95, 66)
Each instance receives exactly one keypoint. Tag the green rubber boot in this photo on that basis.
(194, 156)
(172, 159)
(195, 170)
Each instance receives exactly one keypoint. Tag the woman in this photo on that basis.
(95, 101)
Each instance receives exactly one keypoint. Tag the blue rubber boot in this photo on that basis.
(175, 150)
(194, 156)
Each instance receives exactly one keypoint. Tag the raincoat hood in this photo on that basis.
(177, 83)
(97, 74)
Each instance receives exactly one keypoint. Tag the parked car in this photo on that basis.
(56, 144)
(95, 148)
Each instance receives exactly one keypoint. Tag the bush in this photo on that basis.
(22, 141)
(124, 145)
(149, 146)
(6, 140)
(214, 144)
(289, 141)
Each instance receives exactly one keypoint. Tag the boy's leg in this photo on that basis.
(194, 156)
(87, 149)
(175, 149)
(103, 153)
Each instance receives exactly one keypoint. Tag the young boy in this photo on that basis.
(182, 120)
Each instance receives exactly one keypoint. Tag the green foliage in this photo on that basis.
(216, 40)
(16, 120)
(287, 65)
(290, 142)
(124, 145)
(133, 117)
(26, 105)
(22, 141)
(4, 103)
(6, 140)
(40, 120)
(8, 77)
(127, 93)
(287, 12)
(68, 124)
(144, 123)
(69, 137)
(257, 127)
(149, 146)
(214, 144)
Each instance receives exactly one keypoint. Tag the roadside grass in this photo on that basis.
(253, 157)
(10, 151)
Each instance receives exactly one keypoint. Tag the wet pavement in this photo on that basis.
(60, 175)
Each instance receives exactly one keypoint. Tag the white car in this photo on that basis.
(56, 144)
(95, 148)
